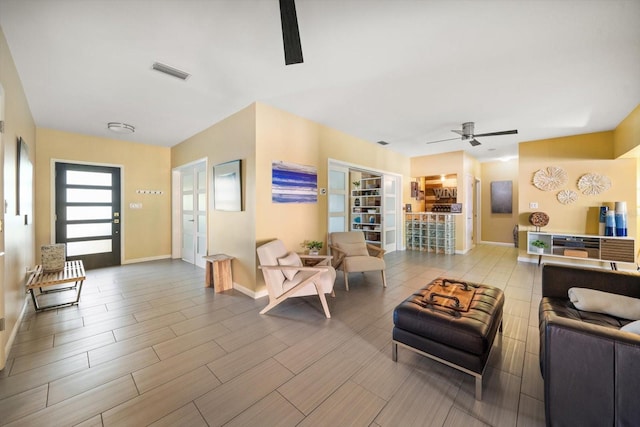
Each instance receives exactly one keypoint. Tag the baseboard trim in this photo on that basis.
(485, 242)
(153, 258)
(14, 331)
(249, 292)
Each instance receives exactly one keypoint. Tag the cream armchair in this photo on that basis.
(286, 277)
(351, 253)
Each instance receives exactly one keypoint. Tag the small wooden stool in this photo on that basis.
(218, 272)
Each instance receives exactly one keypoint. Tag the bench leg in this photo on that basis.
(394, 351)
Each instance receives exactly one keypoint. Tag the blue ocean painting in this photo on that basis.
(293, 183)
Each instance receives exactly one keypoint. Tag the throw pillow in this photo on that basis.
(604, 302)
(354, 249)
(633, 327)
(292, 259)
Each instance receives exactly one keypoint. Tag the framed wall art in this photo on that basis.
(501, 197)
(227, 186)
(293, 183)
(24, 182)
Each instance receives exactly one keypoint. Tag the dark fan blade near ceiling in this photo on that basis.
(290, 32)
(467, 134)
(504, 132)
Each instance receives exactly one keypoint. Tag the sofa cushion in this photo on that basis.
(604, 302)
(633, 327)
(292, 259)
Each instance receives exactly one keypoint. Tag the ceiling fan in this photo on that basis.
(290, 32)
(467, 134)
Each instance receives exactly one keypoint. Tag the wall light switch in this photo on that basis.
(533, 205)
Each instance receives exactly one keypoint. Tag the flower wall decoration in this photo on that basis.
(593, 183)
(549, 179)
(567, 196)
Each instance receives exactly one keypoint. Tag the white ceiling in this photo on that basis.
(405, 72)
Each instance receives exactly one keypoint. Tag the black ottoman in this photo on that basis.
(460, 339)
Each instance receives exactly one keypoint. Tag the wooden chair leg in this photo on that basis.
(346, 280)
(384, 280)
(323, 300)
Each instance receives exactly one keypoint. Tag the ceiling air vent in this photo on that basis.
(163, 68)
(383, 143)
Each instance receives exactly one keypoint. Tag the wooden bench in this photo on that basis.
(73, 272)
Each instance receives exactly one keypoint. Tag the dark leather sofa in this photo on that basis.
(591, 369)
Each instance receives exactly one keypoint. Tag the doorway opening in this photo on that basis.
(190, 213)
(361, 199)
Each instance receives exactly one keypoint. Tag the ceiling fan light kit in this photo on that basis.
(467, 134)
(121, 128)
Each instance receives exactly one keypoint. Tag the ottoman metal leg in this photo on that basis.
(394, 351)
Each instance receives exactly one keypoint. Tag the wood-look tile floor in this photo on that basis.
(150, 345)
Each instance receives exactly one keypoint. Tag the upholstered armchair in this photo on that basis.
(351, 253)
(286, 277)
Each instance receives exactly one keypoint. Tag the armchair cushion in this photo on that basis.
(292, 259)
(353, 249)
(612, 304)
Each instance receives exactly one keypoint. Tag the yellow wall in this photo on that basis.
(232, 233)
(259, 135)
(577, 155)
(18, 238)
(282, 136)
(498, 227)
(626, 136)
(144, 167)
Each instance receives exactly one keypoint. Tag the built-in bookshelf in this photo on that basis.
(366, 208)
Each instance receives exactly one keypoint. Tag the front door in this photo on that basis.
(88, 215)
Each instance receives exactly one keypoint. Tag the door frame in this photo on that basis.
(400, 244)
(52, 217)
(176, 205)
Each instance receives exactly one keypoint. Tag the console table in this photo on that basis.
(73, 272)
(584, 246)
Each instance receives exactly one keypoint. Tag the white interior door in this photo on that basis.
(193, 185)
(390, 208)
(469, 212)
(338, 198)
(3, 337)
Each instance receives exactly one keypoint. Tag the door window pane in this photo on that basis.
(79, 195)
(187, 202)
(187, 182)
(89, 247)
(336, 203)
(77, 213)
(336, 224)
(89, 178)
(75, 231)
(337, 180)
(202, 223)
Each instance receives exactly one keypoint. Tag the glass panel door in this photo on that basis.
(390, 208)
(194, 213)
(88, 218)
(338, 193)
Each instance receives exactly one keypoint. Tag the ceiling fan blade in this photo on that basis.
(504, 132)
(459, 132)
(441, 140)
(290, 32)
(474, 142)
